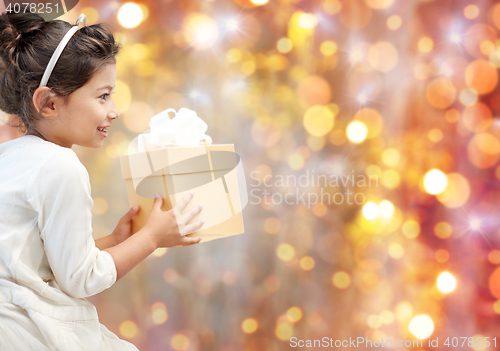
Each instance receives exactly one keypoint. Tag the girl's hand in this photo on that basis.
(123, 230)
(169, 228)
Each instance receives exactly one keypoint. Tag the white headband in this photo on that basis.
(80, 23)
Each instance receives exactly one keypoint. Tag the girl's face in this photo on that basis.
(88, 112)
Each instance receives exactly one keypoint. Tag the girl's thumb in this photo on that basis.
(158, 200)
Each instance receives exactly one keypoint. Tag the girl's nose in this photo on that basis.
(114, 113)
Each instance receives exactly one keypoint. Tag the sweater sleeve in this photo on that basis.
(60, 192)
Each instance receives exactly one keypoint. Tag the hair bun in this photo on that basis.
(15, 27)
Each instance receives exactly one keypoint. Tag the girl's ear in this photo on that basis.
(44, 102)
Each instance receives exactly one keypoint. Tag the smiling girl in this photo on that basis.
(58, 80)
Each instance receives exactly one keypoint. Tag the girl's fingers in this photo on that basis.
(181, 205)
(188, 216)
(192, 227)
(190, 241)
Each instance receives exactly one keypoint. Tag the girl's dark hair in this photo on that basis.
(27, 43)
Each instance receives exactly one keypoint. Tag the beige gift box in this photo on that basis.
(210, 171)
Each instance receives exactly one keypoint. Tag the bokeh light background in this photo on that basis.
(404, 91)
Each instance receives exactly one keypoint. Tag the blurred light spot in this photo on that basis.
(441, 93)
(452, 115)
(316, 143)
(455, 38)
(383, 56)
(379, 4)
(128, 329)
(487, 47)
(471, 11)
(421, 326)
(373, 170)
(200, 30)
(159, 252)
(272, 225)
(468, 97)
(283, 331)
(370, 210)
(446, 282)
(374, 321)
(294, 314)
(248, 67)
(295, 161)
(341, 280)
(386, 209)
(356, 132)
(435, 135)
(394, 22)
(314, 90)
(307, 263)
(387, 316)
(179, 342)
(130, 15)
(494, 256)
(372, 120)
(232, 24)
(494, 283)
(338, 137)
(396, 251)
(332, 7)
(159, 313)
(307, 21)
(435, 181)
(259, 2)
(475, 224)
(92, 14)
(362, 98)
(425, 44)
(284, 45)
(249, 326)
(481, 76)
(443, 230)
(496, 307)
(483, 150)
(411, 229)
(391, 179)
(442, 255)
(233, 55)
(318, 120)
(390, 157)
(319, 210)
(285, 252)
(404, 311)
(495, 15)
(477, 118)
(170, 275)
(328, 48)
(421, 71)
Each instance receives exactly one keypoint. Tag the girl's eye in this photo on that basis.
(104, 96)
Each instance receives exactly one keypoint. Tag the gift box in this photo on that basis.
(213, 172)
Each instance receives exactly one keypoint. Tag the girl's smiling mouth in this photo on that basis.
(103, 131)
